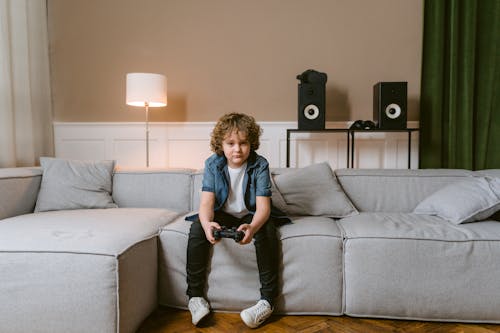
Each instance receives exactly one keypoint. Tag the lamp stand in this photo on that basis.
(147, 133)
(146, 90)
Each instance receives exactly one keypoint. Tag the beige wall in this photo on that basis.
(230, 55)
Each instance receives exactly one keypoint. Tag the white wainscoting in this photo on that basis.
(186, 145)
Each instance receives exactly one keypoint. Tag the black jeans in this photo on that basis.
(266, 248)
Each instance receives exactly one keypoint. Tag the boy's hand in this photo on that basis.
(249, 231)
(209, 227)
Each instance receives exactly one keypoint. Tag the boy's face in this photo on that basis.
(236, 149)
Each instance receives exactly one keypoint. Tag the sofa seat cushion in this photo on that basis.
(310, 272)
(414, 226)
(408, 266)
(80, 270)
(94, 231)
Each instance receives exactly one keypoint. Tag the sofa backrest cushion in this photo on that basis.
(310, 191)
(197, 184)
(394, 190)
(154, 188)
(75, 184)
(493, 173)
(18, 190)
(469, 200)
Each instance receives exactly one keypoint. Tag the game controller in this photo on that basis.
(229, 233)
(363, 125)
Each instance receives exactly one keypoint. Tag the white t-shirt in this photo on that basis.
(235, 204)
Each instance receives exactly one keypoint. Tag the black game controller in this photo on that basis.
(229, 233)
(363, 125)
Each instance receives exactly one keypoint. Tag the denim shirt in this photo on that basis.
(256, 182)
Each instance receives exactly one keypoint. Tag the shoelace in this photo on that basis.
(197, 304)
(261, 311)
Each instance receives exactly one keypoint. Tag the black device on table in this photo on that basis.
(363, 125)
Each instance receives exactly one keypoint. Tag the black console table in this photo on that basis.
(351, 137)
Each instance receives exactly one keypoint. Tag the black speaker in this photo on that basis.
(390, 105)
(312, 100)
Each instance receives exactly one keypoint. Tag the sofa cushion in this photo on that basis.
(394, 190)
(469, 200)
(66, 269)
(18, 190)
(96, 231)
(414, 226)
(421, 267)
(153, 188)
(311, 191)
(73, 184)
(310, 272)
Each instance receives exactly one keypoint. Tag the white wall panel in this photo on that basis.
(83, 148)
(132, 152)
(187, 153)
(370, 154)
(187, 145)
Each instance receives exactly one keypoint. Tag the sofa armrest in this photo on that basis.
(18, 190)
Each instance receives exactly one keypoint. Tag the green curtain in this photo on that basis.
(459, 97)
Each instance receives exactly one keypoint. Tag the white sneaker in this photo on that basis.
(257, 314)
(199, 308)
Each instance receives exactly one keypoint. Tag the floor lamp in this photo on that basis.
(146, 90)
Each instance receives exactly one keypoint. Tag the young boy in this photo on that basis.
(236, 192)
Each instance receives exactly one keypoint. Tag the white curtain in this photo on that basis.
(25, 104)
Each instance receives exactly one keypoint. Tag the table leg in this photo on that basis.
(409, 149)
(348, 147)
(352, 149)
(287, 148)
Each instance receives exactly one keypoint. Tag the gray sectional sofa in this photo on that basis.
(106, 269)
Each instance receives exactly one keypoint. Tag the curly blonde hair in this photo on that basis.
(238, 122)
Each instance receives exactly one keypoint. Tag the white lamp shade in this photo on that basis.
(147, 88)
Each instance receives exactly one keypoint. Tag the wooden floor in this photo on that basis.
(172, 320)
